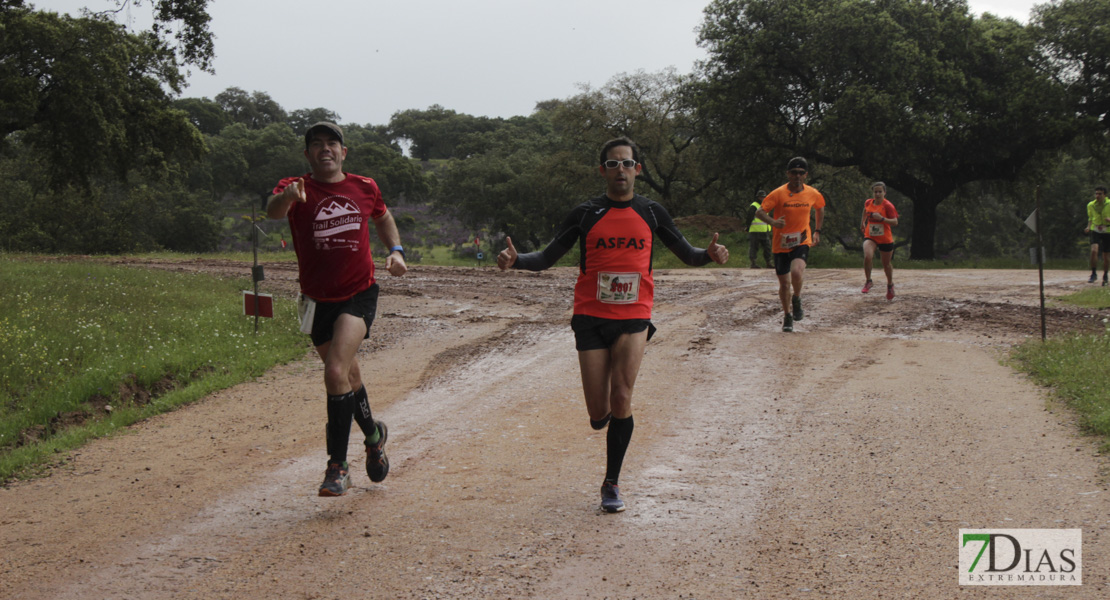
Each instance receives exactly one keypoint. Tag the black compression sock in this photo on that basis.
(339, 425)
(600, 423)
(361, 407)
(616, 444)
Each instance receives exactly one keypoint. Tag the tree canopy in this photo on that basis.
(921, 95)
(949, 109)
(1075, 38)
(90, 96)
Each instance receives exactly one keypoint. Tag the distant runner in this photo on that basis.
(791, 239)
(1098, 225)
(614, 293)
(879, 216)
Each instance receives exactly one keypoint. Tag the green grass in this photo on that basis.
(1074, 367)
(1097, 298)
(736, 243)
(245, 257)
(71, 331)
(444, 256)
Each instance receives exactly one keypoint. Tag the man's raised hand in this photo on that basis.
(507, 257)
(717, 252)
(295, 191)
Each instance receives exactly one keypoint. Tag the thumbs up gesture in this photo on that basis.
(507, 257)
(717, 252)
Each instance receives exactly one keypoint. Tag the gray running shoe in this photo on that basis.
(796, 303)
(611, 498)
(377, 464)
(336, 480)
(788, 324)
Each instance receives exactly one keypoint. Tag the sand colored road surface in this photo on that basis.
(839, 461)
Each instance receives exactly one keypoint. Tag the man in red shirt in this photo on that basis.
(329, 214)
(791, 236)
(879, 216)
(614, 293)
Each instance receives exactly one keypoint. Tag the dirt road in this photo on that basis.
(839, 461)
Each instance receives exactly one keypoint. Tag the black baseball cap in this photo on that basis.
(323, 126)
(797, 163)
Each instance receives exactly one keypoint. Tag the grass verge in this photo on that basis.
(1074, 367)
(88, 348)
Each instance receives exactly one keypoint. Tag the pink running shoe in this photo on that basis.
(866, 287)
(890, 292)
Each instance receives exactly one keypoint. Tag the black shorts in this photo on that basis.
(783, 259)
(363, 304)
(595, 333)
(1102, 240)
(882, 247)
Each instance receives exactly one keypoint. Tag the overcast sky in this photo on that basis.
(367, 59)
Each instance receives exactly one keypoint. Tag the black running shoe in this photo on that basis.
(611, 498)
(788, 324)
(1104, 281)
(796, 303)
(377, 464)
(336, 480)
(1093, 278)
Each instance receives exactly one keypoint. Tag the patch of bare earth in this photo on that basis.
(836, 462)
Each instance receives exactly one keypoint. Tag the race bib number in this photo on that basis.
(792, 240)
(1100, 228)
(876, 230)
(618, 288)
(306, 311)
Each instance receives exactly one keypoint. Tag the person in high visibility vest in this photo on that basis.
(1098, 225)
(759, 234)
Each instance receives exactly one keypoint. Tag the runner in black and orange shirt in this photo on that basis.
(879, 215)
(791, 236)
(614, 293)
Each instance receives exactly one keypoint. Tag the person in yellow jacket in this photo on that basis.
(1098, 225)
(759, 234)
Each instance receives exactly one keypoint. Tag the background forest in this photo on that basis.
(963, 117)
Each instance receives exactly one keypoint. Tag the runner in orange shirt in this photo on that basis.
(791, 235)
(879, 216)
